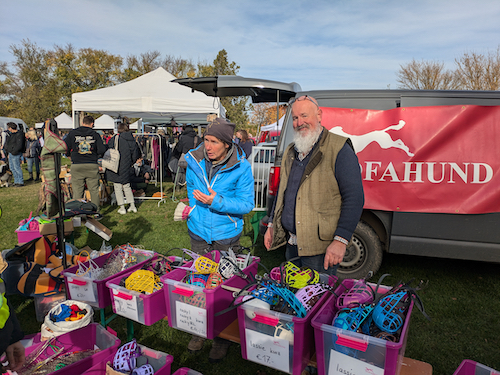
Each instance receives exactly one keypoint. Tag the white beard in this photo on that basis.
(304, 143)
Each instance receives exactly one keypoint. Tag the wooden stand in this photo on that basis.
(408, 367)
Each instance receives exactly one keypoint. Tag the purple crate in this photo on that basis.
(264, 325)
(200, 305)
(468, 367)
(24, 236)
(383, 354)
(186, 371)
(96, 293)
(142, 308)
(161, 362)
(84, 338)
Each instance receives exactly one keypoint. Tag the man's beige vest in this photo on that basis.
(318, 200)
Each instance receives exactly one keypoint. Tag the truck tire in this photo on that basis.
(363, 255)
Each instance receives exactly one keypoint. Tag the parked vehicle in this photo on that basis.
(430, 165)
(262, 159)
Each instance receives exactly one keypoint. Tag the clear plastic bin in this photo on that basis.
(93, 292)
(160, 361)
(342, 350)
(146, 309)
(468, 367)
(192, 308)
(93, 336)
(281, 341)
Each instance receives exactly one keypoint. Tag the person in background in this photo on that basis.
(220, 189)
(15, 145)
(10, 334)
(33, 150)
(129, 153)
(320, 198)
(85, 147)
(245, 143)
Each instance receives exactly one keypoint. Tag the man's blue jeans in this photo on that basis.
(316, 262)
(15, 167)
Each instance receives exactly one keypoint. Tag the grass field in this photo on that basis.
(462, 298)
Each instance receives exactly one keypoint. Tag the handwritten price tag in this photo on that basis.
(341, 364)
(268, 350)
(126, 307)
(191, 318)
(81, 290)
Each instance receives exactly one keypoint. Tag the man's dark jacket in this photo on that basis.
(15, 143)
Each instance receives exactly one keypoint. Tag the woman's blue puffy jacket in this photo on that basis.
(234, 185)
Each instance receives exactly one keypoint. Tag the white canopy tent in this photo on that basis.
(151, 96)
(64, 122)
(273, 126)
(105, 122)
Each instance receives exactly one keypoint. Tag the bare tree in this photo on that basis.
(478, 71)
(427, 75)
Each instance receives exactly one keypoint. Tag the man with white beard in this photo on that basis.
(320, 197)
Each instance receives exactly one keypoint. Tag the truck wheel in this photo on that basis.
(363, 255)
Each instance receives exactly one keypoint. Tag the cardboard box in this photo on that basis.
(51, 228)
(98, 228)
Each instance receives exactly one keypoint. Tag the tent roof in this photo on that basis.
(64, 122)
(151, 95)
(105, 122)
(273, 126)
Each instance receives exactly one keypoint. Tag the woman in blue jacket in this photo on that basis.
(220, 188)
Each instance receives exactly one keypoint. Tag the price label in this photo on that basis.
(191, 318)
(81, 290)
(341, 364)
(268, 350)
(127, 306)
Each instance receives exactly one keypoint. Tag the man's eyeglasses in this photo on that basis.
(304, 97)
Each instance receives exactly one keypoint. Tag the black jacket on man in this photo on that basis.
(129, 153)
(15, 143)
(186, 142)
(85, 145)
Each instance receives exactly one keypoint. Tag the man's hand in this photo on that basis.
(203, 198)
(334, 254)
(15, 356)
(268, 238)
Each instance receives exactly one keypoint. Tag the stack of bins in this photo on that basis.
(91, 291)
(339, 350)
(281, 341)
(192, 308)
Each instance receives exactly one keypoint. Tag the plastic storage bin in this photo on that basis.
(338, 350)
(186, 371)
(160, 361)
(281, 341)
(468, 367)
(146, 309)
(24, 236)
(93, 292)
(44, 304)
(192, 308)
(92, 336)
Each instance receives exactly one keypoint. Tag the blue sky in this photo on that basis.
(319, 44)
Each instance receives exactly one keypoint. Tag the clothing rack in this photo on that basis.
(157, 173)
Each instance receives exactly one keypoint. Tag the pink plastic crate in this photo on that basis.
(355, 348)
(160, 361)
(142, 308)
(93, 292)
(24, 236)
(89, 337)
(192, 308)
(468, 367)
(260, 334)
(186, 371)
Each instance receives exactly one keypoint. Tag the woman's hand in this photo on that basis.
(203, 198)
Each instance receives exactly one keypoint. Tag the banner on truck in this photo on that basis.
(442, 159)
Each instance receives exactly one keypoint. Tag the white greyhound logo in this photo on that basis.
(381, 137)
